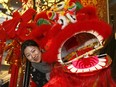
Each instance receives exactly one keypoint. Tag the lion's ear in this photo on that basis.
(87, 13)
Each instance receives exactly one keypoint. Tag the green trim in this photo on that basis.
(42, 21)
(79, 5)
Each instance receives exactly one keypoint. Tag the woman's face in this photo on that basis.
(33, 54)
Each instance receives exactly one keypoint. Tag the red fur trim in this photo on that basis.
(42, 14)
(41, 30)
(54, 31)
(60, 78)
(87, 13)
(39, 34)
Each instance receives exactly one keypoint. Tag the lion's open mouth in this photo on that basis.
(80, 52)
(79, 44)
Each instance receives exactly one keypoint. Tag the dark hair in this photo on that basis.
(27, 43)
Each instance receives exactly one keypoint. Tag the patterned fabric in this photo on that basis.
(38, 77)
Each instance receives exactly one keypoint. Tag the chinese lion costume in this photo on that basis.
(73, 43)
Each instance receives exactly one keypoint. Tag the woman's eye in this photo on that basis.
(33, 50)
(27, 56)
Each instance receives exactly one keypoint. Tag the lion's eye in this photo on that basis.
(60, 5)
(72, 18)
(63, 21)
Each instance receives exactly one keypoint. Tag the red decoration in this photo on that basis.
(10, 25)
(14, 59)
(24, 31)
(14, 75)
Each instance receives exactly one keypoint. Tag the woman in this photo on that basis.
(39, 70)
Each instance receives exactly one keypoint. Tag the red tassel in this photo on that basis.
(3, 36)
(14, 76)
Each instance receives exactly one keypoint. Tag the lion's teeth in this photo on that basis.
(101, 59)
(71, 66)
(79, 70)
(92, 68)
(73, 69)
(98, 66)
(102, 63)
(86, 70)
